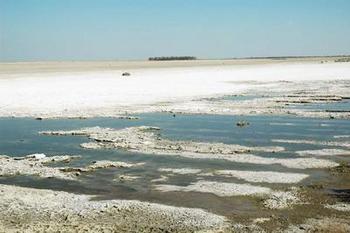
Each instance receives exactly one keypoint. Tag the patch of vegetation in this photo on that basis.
(172, 58)
(343, 59)
(343, 167)
(317, 186)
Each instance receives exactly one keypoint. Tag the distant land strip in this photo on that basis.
(172, 58)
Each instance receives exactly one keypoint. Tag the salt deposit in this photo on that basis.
(323, 152)
(105, 93)
(181, 171)
(38, 210)
(217, 188)
(345, 207)
(33, 165)
(145, 139)
(272, 199)
(264, 176)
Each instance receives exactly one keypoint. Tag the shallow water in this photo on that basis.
(340, 106)
(19, 136)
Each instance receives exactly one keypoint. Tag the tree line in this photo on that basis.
(172, 58)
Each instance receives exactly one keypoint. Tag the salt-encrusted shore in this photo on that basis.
(37, 210)
(36, 165)
(181, 171)
(345, 144)
(146, 139)
(264, 176)
(323, 152)
(107, 93)
(272, 199)
(339, 206)
(218, 188)
(282, 98)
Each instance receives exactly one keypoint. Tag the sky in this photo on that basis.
(38, 30)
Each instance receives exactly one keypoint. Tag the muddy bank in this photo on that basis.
(283, 199)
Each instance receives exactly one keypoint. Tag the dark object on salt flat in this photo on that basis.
(126, 74)
(242, 123)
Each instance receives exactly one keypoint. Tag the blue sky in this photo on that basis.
(137, 29)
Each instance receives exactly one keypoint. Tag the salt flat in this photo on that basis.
(105, 92)
(236, 168)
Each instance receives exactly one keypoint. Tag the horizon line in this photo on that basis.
(197, 59)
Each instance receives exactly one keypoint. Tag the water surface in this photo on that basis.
(19, 137)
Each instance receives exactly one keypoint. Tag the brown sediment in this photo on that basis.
(341, 169)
